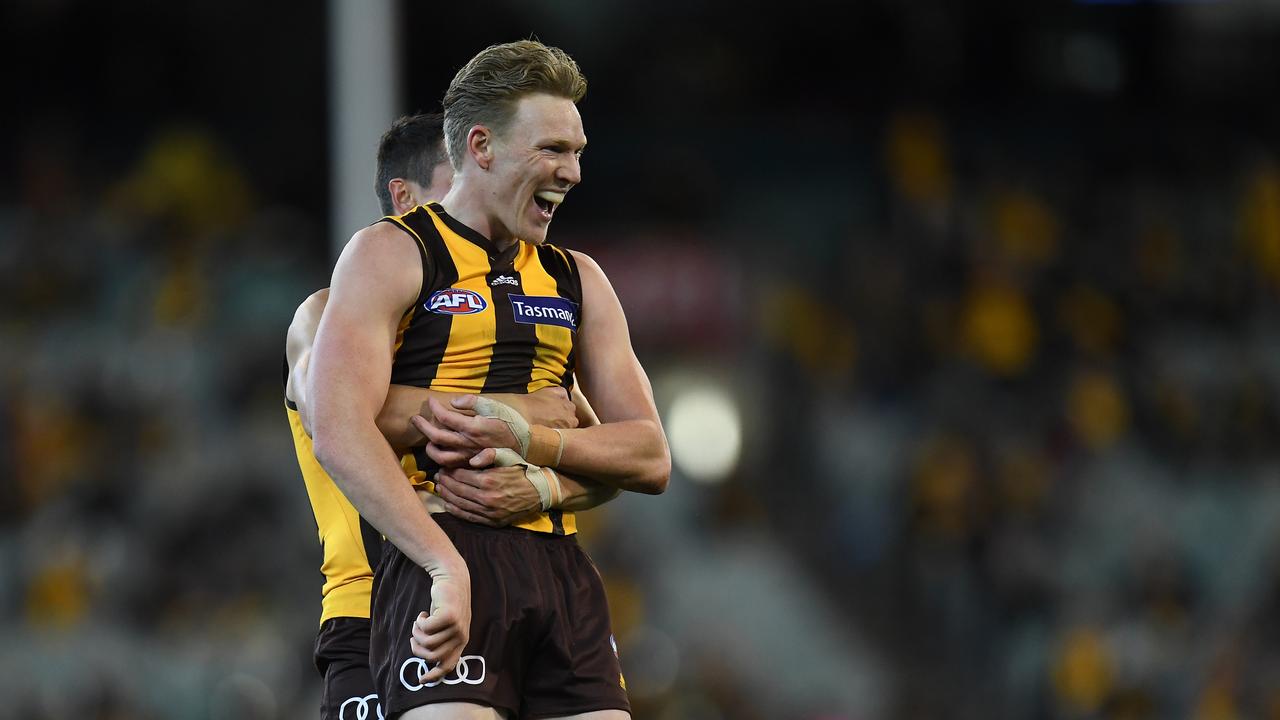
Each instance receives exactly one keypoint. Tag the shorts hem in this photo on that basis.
(557, 712)
(407, 704)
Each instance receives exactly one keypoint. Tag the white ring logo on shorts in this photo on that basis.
(362, 708)
(465, 672)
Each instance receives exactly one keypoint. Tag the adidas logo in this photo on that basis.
(504, 280)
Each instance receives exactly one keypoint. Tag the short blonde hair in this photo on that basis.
(485, 91)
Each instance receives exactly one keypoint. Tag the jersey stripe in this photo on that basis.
(551, 362)
(427, 333)
(465, 363)
(514, 346)
(552, 365)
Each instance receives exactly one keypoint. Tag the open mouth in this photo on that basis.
(547, 202)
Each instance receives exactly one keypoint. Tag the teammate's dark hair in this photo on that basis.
(410, 149)
(485, 91)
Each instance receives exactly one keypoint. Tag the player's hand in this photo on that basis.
(440, 637)
(550, 406)
(495, 496)
(454, 437)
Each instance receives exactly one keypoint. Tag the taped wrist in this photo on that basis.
(538, 444)
(543, 479)
(546, 445)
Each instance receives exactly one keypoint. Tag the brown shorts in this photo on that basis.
(342, 657)
(540, 646)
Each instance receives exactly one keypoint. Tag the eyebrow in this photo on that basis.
(561, 142)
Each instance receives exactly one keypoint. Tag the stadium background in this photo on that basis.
(989, 295)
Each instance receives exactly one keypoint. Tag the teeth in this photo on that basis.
(555, 198)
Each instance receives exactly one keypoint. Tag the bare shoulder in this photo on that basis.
(302, 331)
(381, 240)
(309, 312)
(380, 261)
(586, 263)
(594, 281)
(602, 312)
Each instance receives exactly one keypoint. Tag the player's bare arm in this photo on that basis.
(628, 450)
(499, 496)
(377, 276)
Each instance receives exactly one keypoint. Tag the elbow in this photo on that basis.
(324, 445)
(656, 485)
(655, 480)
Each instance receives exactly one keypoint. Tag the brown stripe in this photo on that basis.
(514, 343)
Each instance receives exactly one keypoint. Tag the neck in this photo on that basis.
(465, 202)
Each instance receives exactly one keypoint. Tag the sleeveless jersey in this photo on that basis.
(351, 545)
(486, 322)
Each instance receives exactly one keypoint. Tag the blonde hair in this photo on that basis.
(485, 91)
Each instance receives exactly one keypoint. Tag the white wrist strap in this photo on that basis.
(543, 479)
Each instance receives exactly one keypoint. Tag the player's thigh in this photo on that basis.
(595, 715)
(453, 711)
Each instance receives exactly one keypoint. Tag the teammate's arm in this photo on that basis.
(297, 352)
(500, 496)
(375, 279)
(551, 407)
(628, 450)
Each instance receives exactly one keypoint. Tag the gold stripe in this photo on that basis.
(348, 577)
(542, 524)
(563, 255)
(417, 476)
(404, 325)
(467, 355)
(408, 316)
(551, 355)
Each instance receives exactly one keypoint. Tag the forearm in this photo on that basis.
(628, 455)
(358, 459)
(403, 402)
(581, 494)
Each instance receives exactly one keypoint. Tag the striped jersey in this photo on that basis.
(486, 322)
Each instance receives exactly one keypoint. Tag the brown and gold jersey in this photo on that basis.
(351, 545)
(486, 322)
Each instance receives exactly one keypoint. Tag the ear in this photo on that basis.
(401, 196)
(480, 145)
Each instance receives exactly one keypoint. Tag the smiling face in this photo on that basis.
(535, 161)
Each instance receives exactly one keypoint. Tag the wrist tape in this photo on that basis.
(543, 479)
(541, 446)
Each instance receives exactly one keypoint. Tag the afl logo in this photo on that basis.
(455, 301)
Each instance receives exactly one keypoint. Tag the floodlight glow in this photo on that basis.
(704, 427)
